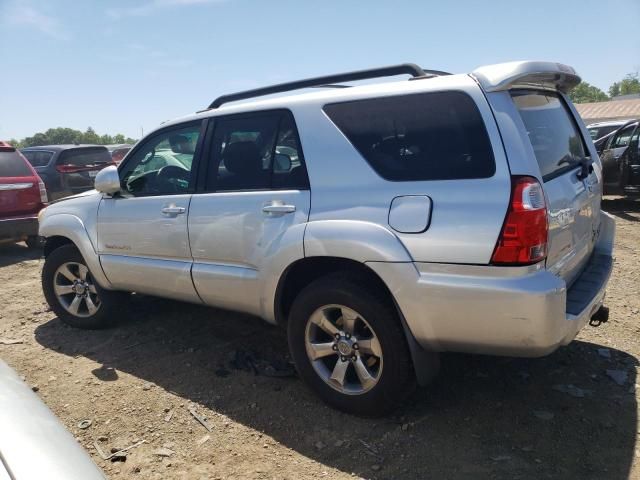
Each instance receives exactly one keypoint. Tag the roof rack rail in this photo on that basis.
(329, 81)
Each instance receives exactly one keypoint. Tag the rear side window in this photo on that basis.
(427, 136)
(552, 131)
(84, 157)
(13, 165)
(38, 158)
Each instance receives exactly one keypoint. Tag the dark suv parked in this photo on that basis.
(68, 169)
(621, 160)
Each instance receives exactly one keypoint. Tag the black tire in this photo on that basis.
(397, 378)
(34, 242)
(110, 307)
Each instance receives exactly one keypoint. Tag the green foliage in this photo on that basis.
(629, 85)
(585, 93)
(61, 136)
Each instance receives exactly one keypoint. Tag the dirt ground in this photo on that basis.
(484, 417)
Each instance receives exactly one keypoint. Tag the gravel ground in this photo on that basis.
(484, 417)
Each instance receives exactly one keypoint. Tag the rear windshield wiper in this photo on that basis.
(586, 168)
(585, 163)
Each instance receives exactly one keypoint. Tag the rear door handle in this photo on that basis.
(278, 209)
(173, 210)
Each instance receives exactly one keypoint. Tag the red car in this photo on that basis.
(22, 196)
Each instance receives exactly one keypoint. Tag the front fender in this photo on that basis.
(355, 240)
(72, 227)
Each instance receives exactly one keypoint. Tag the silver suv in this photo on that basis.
(379, 224)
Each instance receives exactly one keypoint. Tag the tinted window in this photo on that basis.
(429, 136)
(13, 165)
(38, 158)
(256, 152)
(623, 137)
(162, 165)
(552, 131)
(84, 157)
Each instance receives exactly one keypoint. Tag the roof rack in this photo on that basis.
(329, 81)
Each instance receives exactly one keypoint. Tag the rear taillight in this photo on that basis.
(43, 192)
(69, 168)
(523, 239)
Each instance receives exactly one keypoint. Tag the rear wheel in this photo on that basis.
(349, 347)
(73, 294)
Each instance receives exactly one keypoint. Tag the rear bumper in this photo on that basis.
(520, 311)
(18, 228)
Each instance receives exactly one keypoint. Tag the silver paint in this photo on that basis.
(230, 249)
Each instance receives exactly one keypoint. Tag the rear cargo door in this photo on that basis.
(573, 198)
(79, 166)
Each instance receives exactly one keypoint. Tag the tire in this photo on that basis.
(107, 304)
(336, 297)
(34, 242)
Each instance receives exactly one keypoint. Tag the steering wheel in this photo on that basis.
(166, 178)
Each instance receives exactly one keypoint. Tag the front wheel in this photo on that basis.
(348, 346)
(73, 294)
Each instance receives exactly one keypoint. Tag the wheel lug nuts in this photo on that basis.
(348, 336)
(355, 346)
(343, 358)
(337, 336)
(335, 347)
(353, 358)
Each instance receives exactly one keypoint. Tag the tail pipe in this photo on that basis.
(601, 316)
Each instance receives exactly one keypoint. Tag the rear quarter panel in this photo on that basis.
(467, 215)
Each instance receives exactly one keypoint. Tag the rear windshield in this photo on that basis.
(599, 132)
(427, 136)
(38, 158)
(552, 131)
(84, 157)
(13, 165)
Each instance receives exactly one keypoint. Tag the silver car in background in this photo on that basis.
(33, 442)
(379, 224)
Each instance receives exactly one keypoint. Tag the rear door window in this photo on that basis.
(38, 158)
(84, 157)
(13, 165)
(552, 131)
(427, 136)
(257, 151)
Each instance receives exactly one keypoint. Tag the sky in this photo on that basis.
(125, 66)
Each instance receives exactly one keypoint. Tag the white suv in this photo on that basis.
(380, 224)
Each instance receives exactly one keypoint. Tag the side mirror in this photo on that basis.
(282, 163)
(107, 180)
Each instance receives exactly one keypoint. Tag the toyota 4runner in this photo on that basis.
(379, 224)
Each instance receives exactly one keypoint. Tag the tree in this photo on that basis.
(90, 136)
(585, 93)
(627, 86)
(61, 136)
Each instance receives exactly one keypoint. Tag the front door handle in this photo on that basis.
(173, 210)
(278, 209)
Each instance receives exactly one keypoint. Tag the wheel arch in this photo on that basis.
(301, 273)
(62, 229)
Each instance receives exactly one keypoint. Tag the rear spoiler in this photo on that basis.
(505, 76)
